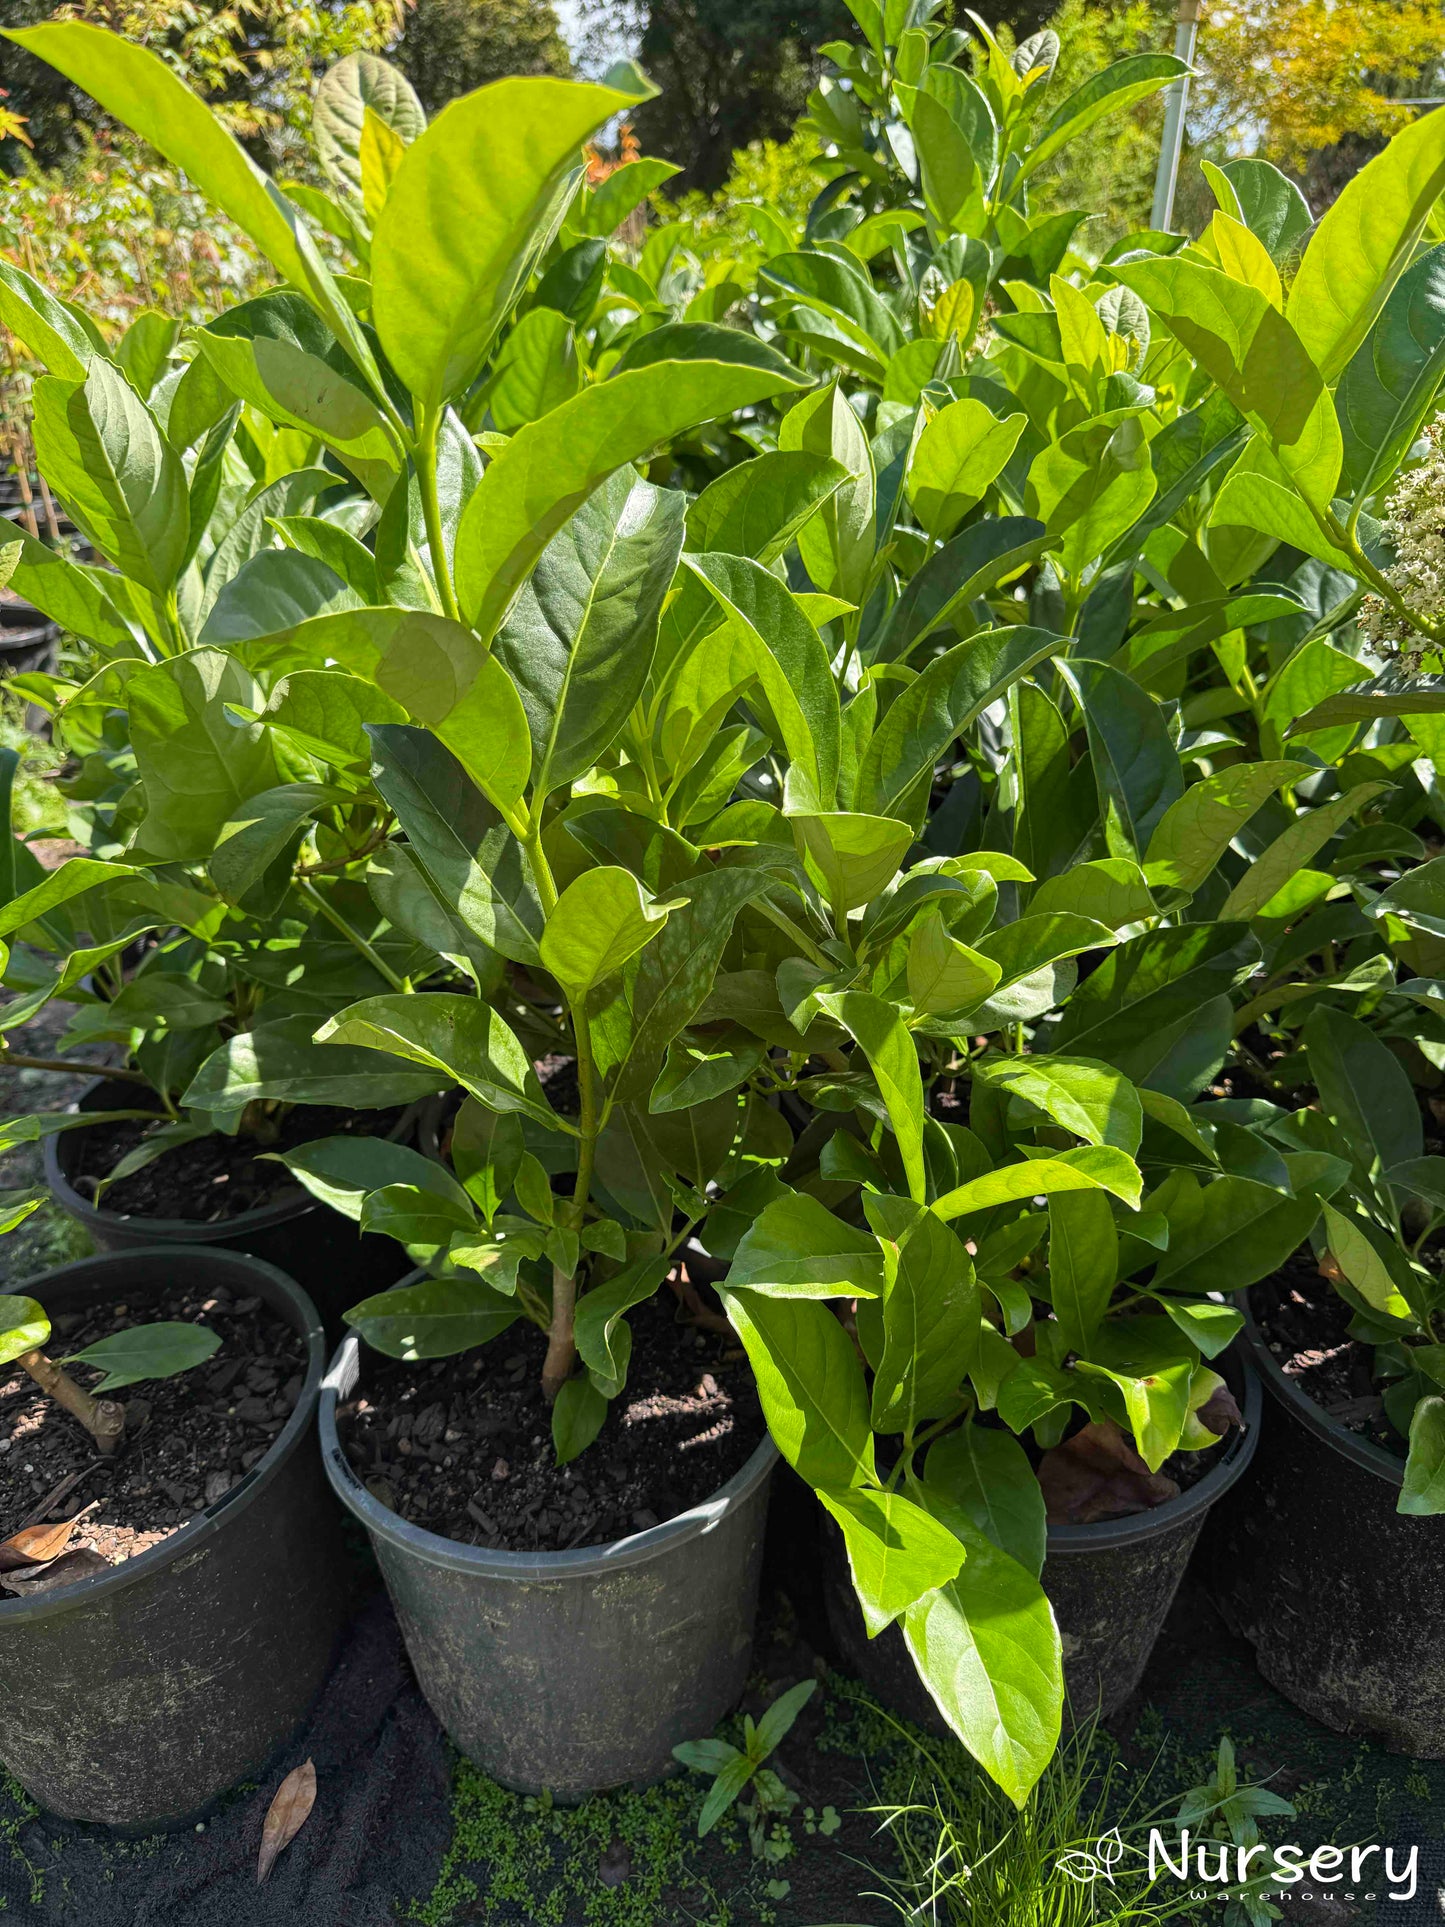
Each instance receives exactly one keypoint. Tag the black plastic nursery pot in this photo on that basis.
(1341, 1596)
(136, 1698)
(28, 639)
(1111, 1584)
(571, 1672)
(336, 1265)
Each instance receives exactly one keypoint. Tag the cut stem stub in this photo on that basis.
(103, 1418)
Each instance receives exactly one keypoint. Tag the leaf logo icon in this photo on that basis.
(1087, 1867)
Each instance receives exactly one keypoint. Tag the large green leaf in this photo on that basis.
(962, 451)
(1291, 851)
(939, 704)
(985, 1471)
(879, 1030)
(275, 590)
(757, 508)
(1151, 982)
(1136, 766)
(897, 1552)
(435, 1319)
(811, 1385)
(985, 553)
(1083, 1263)
(768, 639)
(837, 544)
(1229, 1233)
(1199, 826)
(1391, 379)
(578, 643)
(1090, 487)
(340, 1171)
(601, 919)
(929, 1316)
(282, 1062)
(1109, 91)
(140, 90)
(24, 1327)
(106, 459)
(298, 390)
(1422, 1493)
(255, 848)
(1268, 203)
(461, 1037)
(604, 1339)
(1090, 1099)
(840, 289)
(797, 1248)
(45, 325)
(1094, 1167)
(359, 84)
(473, 204)
(196, 765)
(849, 856)
(1256, 356)
(551, 466)
(67, 593)
(1365, 1090)
(1364, 241)
(147, 1351)
(987, 1649)
(475, 864)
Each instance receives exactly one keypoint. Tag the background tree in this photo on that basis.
(450, 46)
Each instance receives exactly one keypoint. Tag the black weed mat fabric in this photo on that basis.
(376, 1835)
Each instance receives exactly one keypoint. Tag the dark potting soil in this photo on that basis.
(188, 1439)
(463, 1446)
(215, 1178)
(1306, 1326)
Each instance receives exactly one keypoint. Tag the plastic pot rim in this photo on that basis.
(1107, 1534)
(484, 1562)
(187, 1539)
(260, 1217)
(1362, 1452)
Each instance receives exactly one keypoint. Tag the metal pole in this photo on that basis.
(1186, 32)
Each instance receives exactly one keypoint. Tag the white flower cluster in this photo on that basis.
(1415, 525)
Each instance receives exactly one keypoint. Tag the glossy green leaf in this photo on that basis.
(1094, 1167)
(985, 1472)
(1111, 890)
(147, 1351)
(44, 325)
(1422, 1493)
(897, 1552)
(1362, 1265)
(340, 1171)
(196, 765)
(1292, 850)
(1150, 982)
(1196, 829)
(880, 1032)
(811, 1385)
(985, 553)
(23, 1327)
(944, 974)
(67, 594)
(1269, 204)
(359, 83)
(1110, 91)
(928, 1317)
(578, 643)
(460, 1037)
(282, 1062)
(460, 234)
(797, 1248)
(604, 1339)
(1365, 1091)
(1257, 357)
(255, 848)
(106, 459)
(988, 1651)
(600, 920)
(435, 1319)
(959, 455)
(1090, 1099)
(1364, 241)
(1083, 1263)
(837, 544)
(1391, 380)
(757, 508)
(939, 704)
(1136, 766)
(850, 857)
(1231, 1229)
(550, 467)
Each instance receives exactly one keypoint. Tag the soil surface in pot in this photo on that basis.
(212, 1179)
(188, 1439)
(1306, 1327)
(463, 1446)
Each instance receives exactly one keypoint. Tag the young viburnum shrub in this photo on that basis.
(126, 1358)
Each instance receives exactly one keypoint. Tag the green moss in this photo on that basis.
(17, 1810)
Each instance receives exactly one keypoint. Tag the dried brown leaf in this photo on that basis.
(1097, 1474)
(286, 1815)
(35, 1545)
(65, 1571)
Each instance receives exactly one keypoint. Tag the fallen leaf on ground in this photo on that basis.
(35, 1545)
(80, 1564)
(1097, 1474)
(286, 1815)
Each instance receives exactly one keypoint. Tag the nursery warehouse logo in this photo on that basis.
(1366, 1873)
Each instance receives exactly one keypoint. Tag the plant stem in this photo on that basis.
(103, 1418)
(561, 1335)
(426, 475)
(73, 1067)
(541, 869)
(353, 937)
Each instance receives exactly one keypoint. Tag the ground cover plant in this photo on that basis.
(901, 754)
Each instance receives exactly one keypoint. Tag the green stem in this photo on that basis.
(72, 1068)
(541, 869)
(561, 1336)
(426, 475)
(800, 937)
(354, 937)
